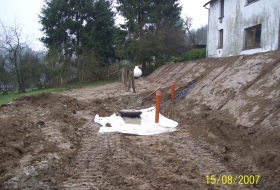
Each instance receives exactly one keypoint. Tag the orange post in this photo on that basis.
(172, 91)
(158, 94)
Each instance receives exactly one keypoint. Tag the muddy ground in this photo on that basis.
(49, 141)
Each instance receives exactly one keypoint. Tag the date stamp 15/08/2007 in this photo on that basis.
(233, 179)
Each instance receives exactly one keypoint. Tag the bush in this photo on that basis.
(190, 55)
(173, 59)
(202, 54)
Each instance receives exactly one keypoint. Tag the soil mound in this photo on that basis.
(39, 135)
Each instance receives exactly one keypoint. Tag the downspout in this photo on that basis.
(207, 37)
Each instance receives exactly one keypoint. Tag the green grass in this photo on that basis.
(14, 94)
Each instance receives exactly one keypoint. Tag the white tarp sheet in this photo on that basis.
(147, 127)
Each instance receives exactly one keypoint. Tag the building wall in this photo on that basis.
(237, 17)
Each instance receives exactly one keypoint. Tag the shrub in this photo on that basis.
(190, 55)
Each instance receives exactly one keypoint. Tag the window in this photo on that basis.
(253, 37)
(222, 8)
(221, 38)
(250, 1)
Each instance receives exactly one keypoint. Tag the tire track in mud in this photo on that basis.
(121, 161)
(88, 160)
(178, 161)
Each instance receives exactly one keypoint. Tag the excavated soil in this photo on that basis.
(228, 125)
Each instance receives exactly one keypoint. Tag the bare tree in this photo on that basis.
(188, 24)
(11, 41)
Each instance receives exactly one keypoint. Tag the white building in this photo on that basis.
(242, 27)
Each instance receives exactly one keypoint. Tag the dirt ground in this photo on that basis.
(49, 141)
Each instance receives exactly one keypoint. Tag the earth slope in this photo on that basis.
(235, 105)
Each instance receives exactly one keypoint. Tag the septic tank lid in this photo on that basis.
(130, 113)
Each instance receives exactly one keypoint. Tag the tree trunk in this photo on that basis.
(5, 88)
(14, 60)
(61, 81)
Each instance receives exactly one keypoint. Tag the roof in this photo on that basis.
(209, 2)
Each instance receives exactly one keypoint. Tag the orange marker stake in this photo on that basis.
(158, 94)
(172, 91)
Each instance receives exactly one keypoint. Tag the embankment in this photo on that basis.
(235, 107)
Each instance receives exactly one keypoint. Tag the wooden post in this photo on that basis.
(132, 80)
(127, 77)
(123, 74)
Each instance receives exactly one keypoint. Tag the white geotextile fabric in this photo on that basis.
(147, 127)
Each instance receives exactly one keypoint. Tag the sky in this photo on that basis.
(25, 13)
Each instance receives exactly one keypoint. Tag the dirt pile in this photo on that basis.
(235, 106)
(39, 137)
